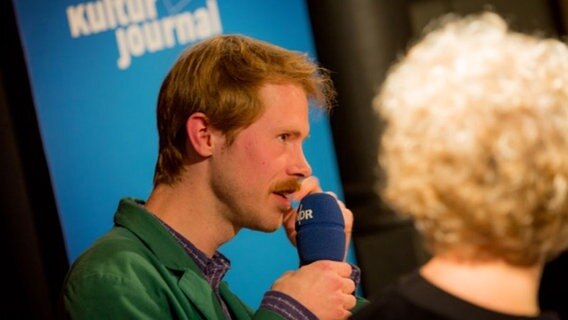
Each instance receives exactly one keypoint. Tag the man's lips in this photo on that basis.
(285, 198)
(285, 194)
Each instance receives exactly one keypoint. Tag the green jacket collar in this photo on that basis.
(133, 216)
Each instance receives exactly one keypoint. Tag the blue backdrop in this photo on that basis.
(95, 70)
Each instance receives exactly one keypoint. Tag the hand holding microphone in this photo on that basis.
(321, 229)
(323, 287)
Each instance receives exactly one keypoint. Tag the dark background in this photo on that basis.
(358, 40)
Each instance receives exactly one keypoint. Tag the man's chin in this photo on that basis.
(269, 227)
(269, 230)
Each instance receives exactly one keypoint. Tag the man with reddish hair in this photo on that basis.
(232, 116)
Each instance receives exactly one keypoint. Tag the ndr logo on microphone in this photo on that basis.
(138, 27)
(304, 215)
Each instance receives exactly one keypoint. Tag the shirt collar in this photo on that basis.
(214, 269)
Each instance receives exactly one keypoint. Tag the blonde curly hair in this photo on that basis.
(475, 147)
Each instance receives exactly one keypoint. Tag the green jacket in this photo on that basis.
(139, 271)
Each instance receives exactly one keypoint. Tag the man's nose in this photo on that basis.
(301, 167)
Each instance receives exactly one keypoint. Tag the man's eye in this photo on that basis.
(284, 137)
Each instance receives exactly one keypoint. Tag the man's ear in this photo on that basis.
(200, 133)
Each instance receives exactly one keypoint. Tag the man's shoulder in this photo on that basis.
(116, 252)
(119, 277)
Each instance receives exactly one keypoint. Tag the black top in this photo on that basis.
(413, 297)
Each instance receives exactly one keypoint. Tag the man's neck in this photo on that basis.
(191, 212)
(494, 285)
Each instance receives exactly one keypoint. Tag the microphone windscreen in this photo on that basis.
(320, 229)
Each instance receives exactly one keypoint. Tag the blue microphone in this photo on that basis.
(320, 229)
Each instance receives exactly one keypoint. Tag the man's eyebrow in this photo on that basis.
(294, 132)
